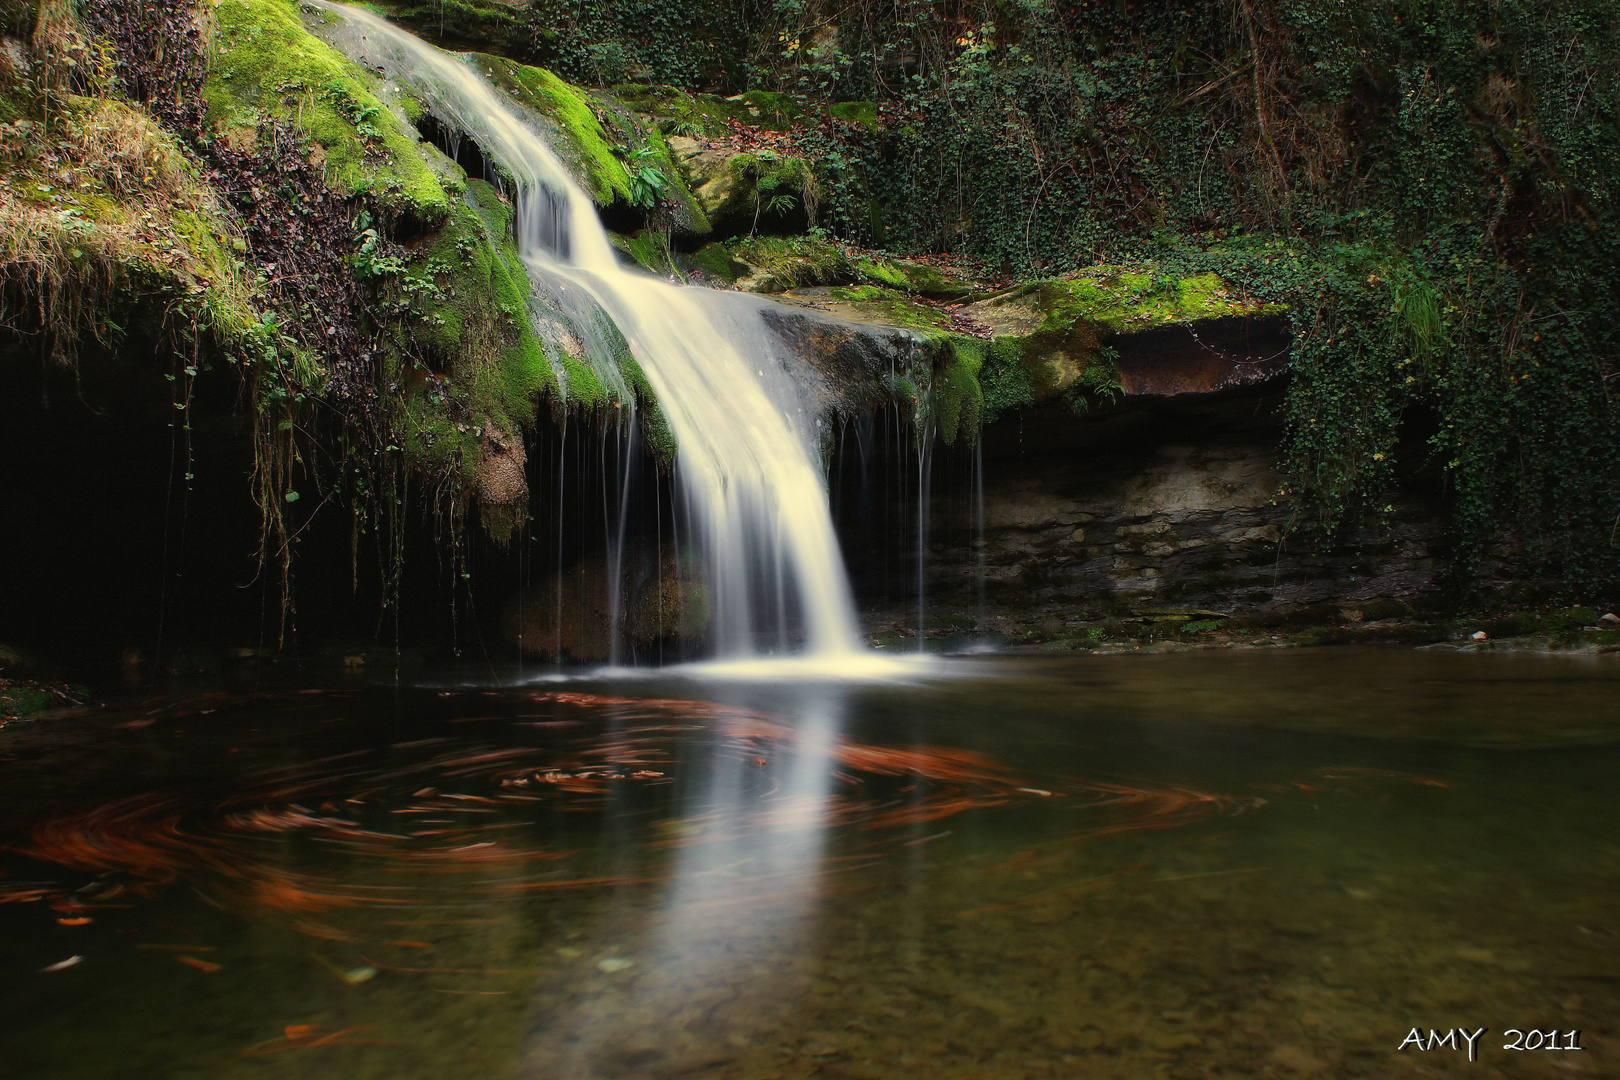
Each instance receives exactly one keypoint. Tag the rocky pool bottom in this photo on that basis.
(1240, 862)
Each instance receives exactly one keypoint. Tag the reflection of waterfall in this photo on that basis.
(745, 438)
(709, 972)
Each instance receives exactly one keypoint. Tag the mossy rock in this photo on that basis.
(1124, 301)
(778, 263)
(268, 65)
(597, 136)
(646, 250)
(1061, 329)
(887, 305)
(466, 301)
(678, 112)
(713, 264)
(864, 113)
(22, 699)
(914, 277)
(482, 25)
(671, 606)
(736, 191)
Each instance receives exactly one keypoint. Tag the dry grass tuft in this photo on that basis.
(99, 202)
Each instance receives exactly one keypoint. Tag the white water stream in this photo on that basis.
(747, 451)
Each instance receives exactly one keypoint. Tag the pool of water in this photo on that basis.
(1275, 863)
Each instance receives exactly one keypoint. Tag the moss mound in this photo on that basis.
(269, 66)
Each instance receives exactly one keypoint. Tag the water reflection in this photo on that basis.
(1042, 874)
(747, 878)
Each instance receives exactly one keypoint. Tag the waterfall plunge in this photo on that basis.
(745, 454)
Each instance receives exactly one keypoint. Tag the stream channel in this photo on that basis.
(1267, 862)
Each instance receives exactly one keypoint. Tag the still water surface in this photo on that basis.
(1259, 863)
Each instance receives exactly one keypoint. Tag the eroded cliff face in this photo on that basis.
(1149, 506)
(1170, 504)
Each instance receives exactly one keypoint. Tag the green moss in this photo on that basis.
(779, 263)
(956, 396)
(680, 113)
(882, 272)
(715, 262)
(1123, 301)
(912, 277)
(770, 172)
(694, 115)
(586, 146)
(467, 298)
(892, 306)
(268, 65)
(596, 136)
(863, 113)
(656, 434)
(1004, 378)
(19, 702)
(647, 248)
(770, 110)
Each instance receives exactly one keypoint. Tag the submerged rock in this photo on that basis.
(571, 615)
(568, 616)
(671, 605)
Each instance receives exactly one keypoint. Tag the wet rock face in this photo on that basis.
(569, 615)
(670, 606)
(849, 358)
(1202, 357)
(1175, 507)
(500, 484)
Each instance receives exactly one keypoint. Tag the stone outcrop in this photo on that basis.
(1159, 502)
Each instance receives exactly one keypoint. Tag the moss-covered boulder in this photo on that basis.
(25, 699)
(269, 66)
(671, 607)
(744, 192)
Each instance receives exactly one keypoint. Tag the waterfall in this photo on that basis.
(747, 448)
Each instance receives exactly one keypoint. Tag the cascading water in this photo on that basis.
(746, 445)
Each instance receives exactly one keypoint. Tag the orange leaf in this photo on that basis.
(200, 965)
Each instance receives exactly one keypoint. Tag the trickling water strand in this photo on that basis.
(925, 466)
(978, 538)
(749, 475)
(627, 451)
(562, 467)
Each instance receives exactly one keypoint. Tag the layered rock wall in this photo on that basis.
(1158, 503)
